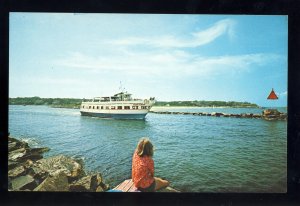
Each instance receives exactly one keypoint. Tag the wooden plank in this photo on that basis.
(123, 185)
(127, 186)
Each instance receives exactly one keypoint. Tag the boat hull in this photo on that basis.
(115, 115)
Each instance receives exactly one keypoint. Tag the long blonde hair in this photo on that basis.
(144, 147)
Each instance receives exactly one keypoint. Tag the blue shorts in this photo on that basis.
(151, 188)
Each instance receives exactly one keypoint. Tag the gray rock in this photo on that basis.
(39, 150)
(16, 154)
(19, 144)
(31, 156)
(16, 172)
(38, 174)
(58, 181)
(23, 182)
(12, 164)
(70, 167)
(12, 146)
(82, 185)
(99, 189)
(90, 183)
(104, 186)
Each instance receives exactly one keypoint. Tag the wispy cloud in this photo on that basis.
(282, 94)
(195, 39)
(173, 64)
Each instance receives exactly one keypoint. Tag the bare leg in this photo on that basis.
(160, 183)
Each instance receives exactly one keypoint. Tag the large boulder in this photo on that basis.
(12, 164)
(38, 174)
(90, 183)
(273, 114)
(14, 144)
(57, 181)
(16, 172)
(23, 183)
(70, 167)
(82, 185)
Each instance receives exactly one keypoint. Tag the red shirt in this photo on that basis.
(142, 171)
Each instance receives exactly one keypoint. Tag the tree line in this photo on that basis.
(54, 102)
(75, 103)
(206, 103)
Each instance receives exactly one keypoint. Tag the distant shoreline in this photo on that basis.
(75, 103)
(153, 107)
(193, 107)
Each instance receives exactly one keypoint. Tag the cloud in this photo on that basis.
(166, 64)
(195, 39)
(282, 94)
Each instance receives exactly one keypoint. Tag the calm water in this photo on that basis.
(195, 153)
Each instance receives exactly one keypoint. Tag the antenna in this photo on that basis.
(121, 88)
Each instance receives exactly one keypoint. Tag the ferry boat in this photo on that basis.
(119, 106)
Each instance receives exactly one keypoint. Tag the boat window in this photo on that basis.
(119, 107)
(82, 106)
(101, 107)
(97, 107)
(107, 107)
(93, 107)
(127, 107)
(112, 107)
(89, 107)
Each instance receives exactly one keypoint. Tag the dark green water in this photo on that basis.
(195, 153)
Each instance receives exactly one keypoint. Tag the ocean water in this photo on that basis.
(195, 153)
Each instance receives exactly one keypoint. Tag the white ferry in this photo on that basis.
(119, 106)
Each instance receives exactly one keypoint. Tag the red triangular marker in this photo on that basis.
(272, 95)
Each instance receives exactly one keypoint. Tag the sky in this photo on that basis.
(166, 56)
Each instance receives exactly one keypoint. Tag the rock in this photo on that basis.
(99, 189)
(256, 116)
(23, 182)
(12, 146)
(217, 114)
(104, 186)
(267, 112)
(16, 154)
(16, 172)
(82, 185)
(58, 181)
(96, 181)
(273, 114)
(39, 150)
(28, 164)
(12, 164)
(71, 168)
(89, 183)
(38, 174)
(16, 144)
(31, 156)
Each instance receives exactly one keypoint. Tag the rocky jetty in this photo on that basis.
(29, 171)
(268, 114)
(273, 114)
